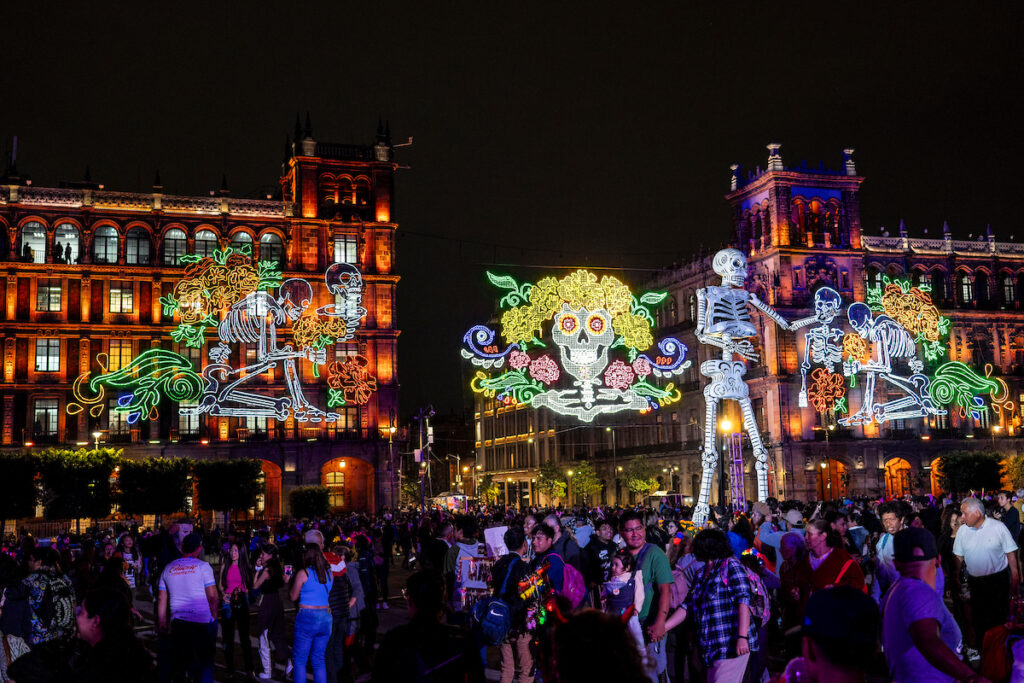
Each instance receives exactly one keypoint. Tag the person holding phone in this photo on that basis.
(311, 589)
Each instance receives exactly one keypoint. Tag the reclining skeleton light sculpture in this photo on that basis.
(590, 320)
(723, 320)
(230, 293)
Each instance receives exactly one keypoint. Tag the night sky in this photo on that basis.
(559, 134)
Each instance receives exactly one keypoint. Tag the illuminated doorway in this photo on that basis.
(897, 477)
(349, 483)
(832, 480)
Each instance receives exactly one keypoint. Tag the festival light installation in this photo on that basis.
(723, 320)
(821, 348)
(588, 320)
(230, 293)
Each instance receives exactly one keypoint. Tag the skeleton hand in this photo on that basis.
(801, 399)
(318, 356)
(743, 348)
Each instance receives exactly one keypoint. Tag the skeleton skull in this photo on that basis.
(345, 282)
(731, 264)
(583, 336)
(827, 303)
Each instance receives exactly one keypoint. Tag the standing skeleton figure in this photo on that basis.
(723, 320)
(891, 342)
(820, 342)
(255, 320)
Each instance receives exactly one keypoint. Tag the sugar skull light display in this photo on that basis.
(600, 332)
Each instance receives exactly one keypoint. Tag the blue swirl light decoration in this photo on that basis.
(674, 350)
(480, 336)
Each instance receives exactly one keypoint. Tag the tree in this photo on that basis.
(585, 482)
(1015, 471)
(76, 484)
(228, 484)
(551, 481)
(17, 487)
(640, 477)
(963, 471)
(309, 501)
(154, 486)
(489, 489)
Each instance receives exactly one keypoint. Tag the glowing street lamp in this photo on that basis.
(96, 440)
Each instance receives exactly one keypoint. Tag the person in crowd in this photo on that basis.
(1008, 514)
(270, 624)
(15, 615)
(830, 564)
(426, 649)
(12, 645)
(234, 582)
(590, 646)
(341, 601)
(187, 601)
(132, 559)
(509, 571)
(543, 554)
(653, 564)
(893, 519)
(623, 594)
(114, 653)
(839, 638)
(840, 523)
(919, 634)
(597, 556)
(565, 545)
(311, 589)
(112, 577)
(741, 534)
(51, 598)
(366, 568)
(794, 580)
(719, 602)
(985, 548)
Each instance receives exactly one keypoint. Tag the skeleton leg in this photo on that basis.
(302, 410)
(760, 452)
(709, 460)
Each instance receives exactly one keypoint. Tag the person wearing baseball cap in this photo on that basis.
(839, 637)
(920, 637)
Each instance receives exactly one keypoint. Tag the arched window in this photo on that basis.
(272, 249)
(672, 310)
(104, 245)
(1009, 289)
(693, 307)
(874, 277)
(981, 288)
(139, 247)
(65, 244)
(918, 277)
(362, 193)
(939, 292)
(964, 288)
(206, 243)
(328, 190)
(345, 191)
(240, 239)
(175, 246)
(33, 243)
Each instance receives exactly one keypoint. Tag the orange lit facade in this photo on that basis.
(800, 229)
(86, 269)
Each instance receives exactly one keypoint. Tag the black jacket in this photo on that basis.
(519, 569)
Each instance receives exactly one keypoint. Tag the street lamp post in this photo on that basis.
(569, 496)
(615, 468)
(96, 440)
(391, 464)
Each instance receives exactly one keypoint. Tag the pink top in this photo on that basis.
(234, 580)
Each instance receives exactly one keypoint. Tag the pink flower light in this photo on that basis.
(518, 360)
(618, 375)
(545, 370)
(642, 367)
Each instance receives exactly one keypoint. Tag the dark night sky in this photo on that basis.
(552, 133)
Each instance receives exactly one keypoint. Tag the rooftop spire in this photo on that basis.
(309, 127)
(157, 185)
(298, 127)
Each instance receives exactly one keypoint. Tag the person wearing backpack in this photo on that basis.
(720, 602)
(506, 575)
(653, 564)
(563, 578)
(830, 564)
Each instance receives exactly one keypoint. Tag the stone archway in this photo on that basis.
(936, 483)
(897, 477)
(271, 507)
(832, 480)
(349, 483)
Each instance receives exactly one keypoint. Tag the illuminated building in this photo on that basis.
(89, 275)
(800, 229)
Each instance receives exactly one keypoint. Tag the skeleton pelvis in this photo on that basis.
(726, 379)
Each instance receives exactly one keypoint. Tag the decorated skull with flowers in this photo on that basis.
(588, 320)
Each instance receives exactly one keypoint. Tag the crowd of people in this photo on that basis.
(914, 589)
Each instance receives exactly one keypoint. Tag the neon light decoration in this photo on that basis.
(820, 348)
(590, 319)
(912, 307)
(230, 293)
(723, 320)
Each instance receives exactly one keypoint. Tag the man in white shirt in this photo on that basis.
(187, 588)
(984, 545)
(891, 514)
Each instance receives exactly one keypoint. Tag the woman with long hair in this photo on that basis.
(270, 623)
(311, 589)
(234, 583)
(830, 564)
(114, 652)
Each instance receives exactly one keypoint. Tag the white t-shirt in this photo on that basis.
(984, 549)
(186, 580)
(912, 600)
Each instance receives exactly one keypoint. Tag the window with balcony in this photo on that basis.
(33, 243)
(188, 421)
(121, 297)
(117, 421)
(47, 355)
(1009, 290)
(65, 244)
(44, 418)
(240, 239)
(272, 249)
(334, 480)
(48, 294)
(964, 288)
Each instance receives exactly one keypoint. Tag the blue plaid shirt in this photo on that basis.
(717, 591)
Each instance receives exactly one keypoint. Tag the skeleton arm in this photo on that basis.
(768, 311)
(802, 322)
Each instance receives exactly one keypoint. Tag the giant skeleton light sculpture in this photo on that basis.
(820, 341)
(723, 320)
(229, 292)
